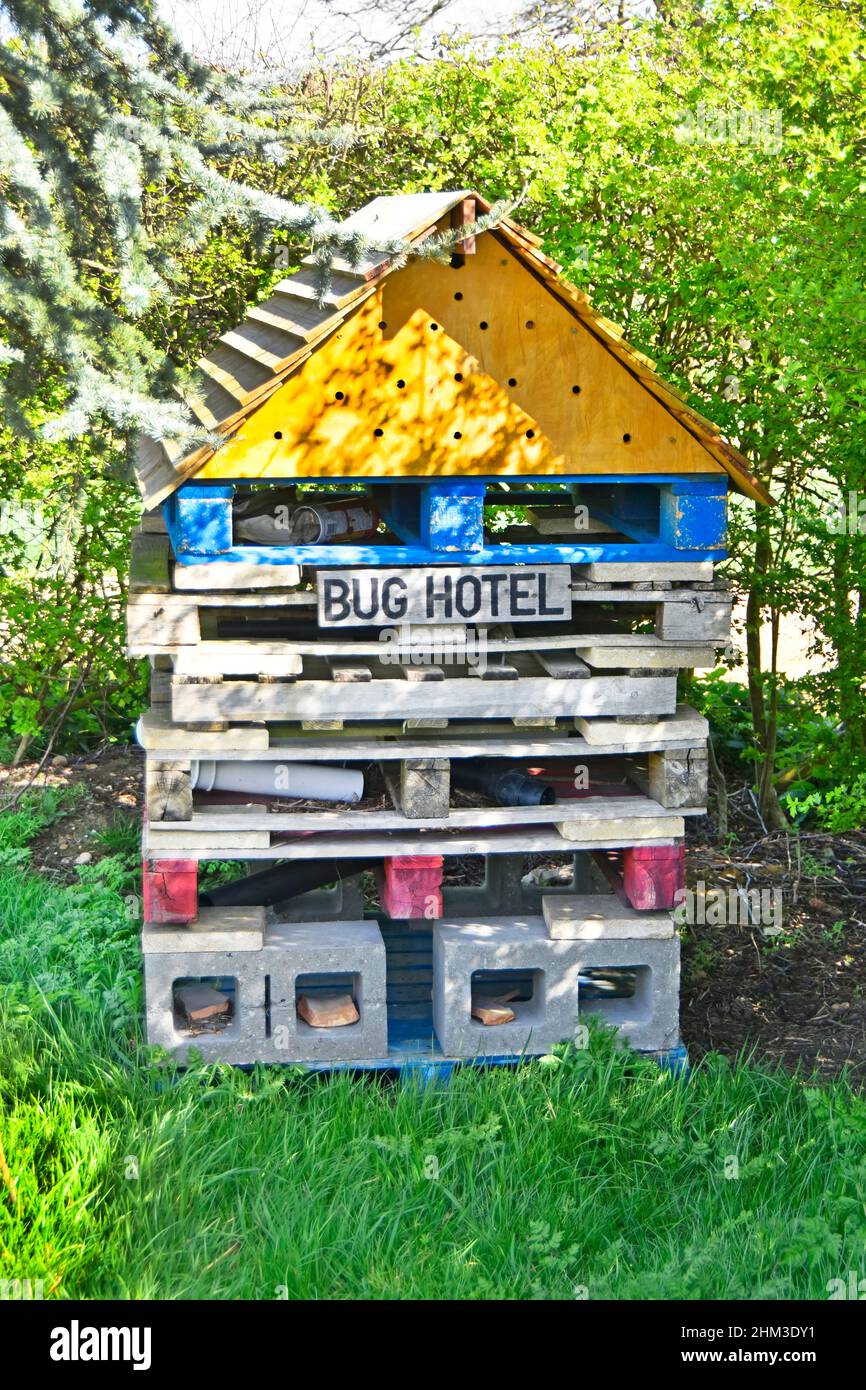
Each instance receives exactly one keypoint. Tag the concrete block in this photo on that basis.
(216, 929)
(264, 1025)
(243, 1040)
(601, 916)
(522, 947)
(650, 1020)
(330, 951)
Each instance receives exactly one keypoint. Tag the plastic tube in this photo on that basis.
(506, 785)
(307, 781)
(283, 881)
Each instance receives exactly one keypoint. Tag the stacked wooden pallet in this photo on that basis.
(250, 681)
(443, 554)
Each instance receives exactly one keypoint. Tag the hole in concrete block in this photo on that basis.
(204, 1004)
(516, 992)
(619, 994)
(329, 1000)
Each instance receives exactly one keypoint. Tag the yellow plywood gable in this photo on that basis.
(460, 370)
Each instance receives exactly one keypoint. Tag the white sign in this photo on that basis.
(479, 594)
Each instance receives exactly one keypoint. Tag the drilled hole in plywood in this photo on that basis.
(378, 433)
(483, 324)
(530, 323)
(512, 381)
(530, 434)
(382, 323)
(278, 434)
(339, 396)
(626, 439)
(400, 384)
(458, 376)
(459, 294)
(457, 434)
(433, 327)
(575, 390)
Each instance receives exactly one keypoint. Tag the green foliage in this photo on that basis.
(834, 808)
(63, 559)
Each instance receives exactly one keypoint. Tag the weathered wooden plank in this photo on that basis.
(355, 845)
(659, 657)
(678, 779)
(213, 575)
(623, 828)
(454, 697)
(157, 733)
(590, 816)
(563, 666)
(348, 672)
(628, 572)
(168, 791)
(236, 659)
(684, 724)
(149, 564)
(706, 618)
(424, 788)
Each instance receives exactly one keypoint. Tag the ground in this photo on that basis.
(789, 992)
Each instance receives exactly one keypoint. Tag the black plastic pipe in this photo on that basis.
(283, 881)
(504, 784)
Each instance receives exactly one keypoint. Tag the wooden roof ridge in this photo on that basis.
(248, 363)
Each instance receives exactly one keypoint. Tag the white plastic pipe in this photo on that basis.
(307, 781)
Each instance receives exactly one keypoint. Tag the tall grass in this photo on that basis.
(587, 1174)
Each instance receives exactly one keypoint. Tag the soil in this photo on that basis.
(785, 984)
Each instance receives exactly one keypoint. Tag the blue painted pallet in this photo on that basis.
(414, 1052)
(441, 521)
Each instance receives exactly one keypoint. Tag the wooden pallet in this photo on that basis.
(425, 692)
(641, 518)
(410, 786)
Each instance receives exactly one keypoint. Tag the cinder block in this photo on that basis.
(329, 951)
(243, 1040)
(649, 1020)
(601, 916)
(522, 947)
(264, 1026)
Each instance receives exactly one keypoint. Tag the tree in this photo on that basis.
(100, 105)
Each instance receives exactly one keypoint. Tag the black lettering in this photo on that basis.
(494, 580)
(543, 609)
(335, 600)
(396, 607)
(373, 609)
(443, 596)
(468, 581)
(516, 595)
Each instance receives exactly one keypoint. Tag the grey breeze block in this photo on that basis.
(649, 1021)
(503, 943)
(265, 1027)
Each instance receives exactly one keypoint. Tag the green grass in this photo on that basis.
(592, 1172)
